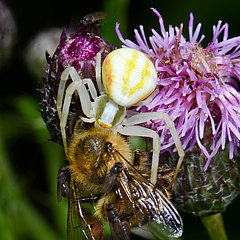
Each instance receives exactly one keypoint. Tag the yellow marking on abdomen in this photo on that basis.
(144, 75)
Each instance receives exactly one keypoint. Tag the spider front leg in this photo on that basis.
(61, 88)
(72, 72)
(145, 132)
(131, 130)
(84, 97)
(98, 72)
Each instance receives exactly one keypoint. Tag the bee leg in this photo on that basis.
(91, 199)
(63, 182)
(121, 228)
(111, 178)
(142, 161)
(97, 230)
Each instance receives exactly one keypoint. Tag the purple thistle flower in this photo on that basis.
(197, 87)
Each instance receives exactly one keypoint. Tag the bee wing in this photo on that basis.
(169, 219)
(81, 221)
(151, 202)
(74, 223)
(125, 186)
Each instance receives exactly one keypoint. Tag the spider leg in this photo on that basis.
(98, 72)
(76, 85)
(72, 72)
(61, 88)
(91, 87)
(148, 99)
(145, 132)
(145, 117)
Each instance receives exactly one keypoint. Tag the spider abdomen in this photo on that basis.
(128, 76)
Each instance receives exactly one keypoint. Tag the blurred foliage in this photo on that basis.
(28, 161)
(23, 207)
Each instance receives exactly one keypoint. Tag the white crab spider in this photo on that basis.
(126, 81)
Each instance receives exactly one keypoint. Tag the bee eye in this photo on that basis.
(128, 76)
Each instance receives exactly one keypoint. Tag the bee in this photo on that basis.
(101, 174)
(90, 21)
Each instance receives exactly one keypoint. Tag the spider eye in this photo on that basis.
(128, 76)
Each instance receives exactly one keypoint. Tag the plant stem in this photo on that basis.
(215, 226)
